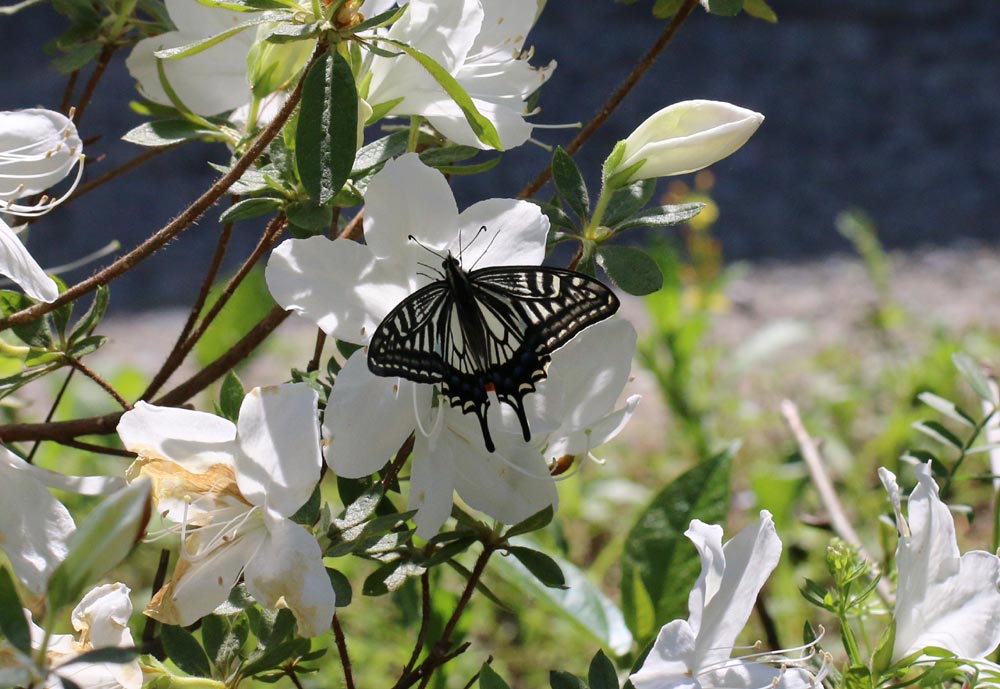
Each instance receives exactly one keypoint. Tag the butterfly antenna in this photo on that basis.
(424, 246)
(481, 230)
(440, 275)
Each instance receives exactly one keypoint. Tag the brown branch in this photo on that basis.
(178, 351)
(105, 385)
(353, 229)
(103, 425)
(68, 91)
(97, 449)
(345, 660)
(612, 103)
(171, 229)
(103, 60)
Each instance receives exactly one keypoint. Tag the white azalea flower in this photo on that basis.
(38, 148)
(943, 599)
(685, 137)
(101, 621)
(209, 82)
(696, 653)
(348, 288)
(477, 42)
(34, 526)
(238, 484)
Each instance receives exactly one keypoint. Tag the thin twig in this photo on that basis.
(98, 449)
(171, 229)
(647, 60)
(52, 411)
(388, 480)
(472, 680)
(106, 424)
(88, 91)
(827, 494)
(425, 621)
(178, 351)
(94, 376)
(68, 91)
(352, 230)
(345, 660)
(147, 154)
(149, 630)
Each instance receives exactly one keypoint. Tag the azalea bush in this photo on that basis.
(336, 525)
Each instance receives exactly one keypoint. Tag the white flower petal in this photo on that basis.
(199, 587)
(514, 236)
(594, 435)
(338, 285)
(34, 526)
(670, 661)
(431, 486)
(102, 618)
(208, 82)
(741, 674)
(19, 265)
(193, 439)
(288, 570)
(407, 197)
(750, 557)
(279, 435)
(38, 148)
(368, 417)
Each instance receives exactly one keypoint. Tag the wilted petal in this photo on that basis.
(192, 439)
(197, 588)
(288, 571)
(336, 284)
(368, 417)
(209, 82)
(687, 136)
(279, 435)
(407, 197)
(18, 265)
(34, 526)
(38, 148)
(101, 620)
(514, 236)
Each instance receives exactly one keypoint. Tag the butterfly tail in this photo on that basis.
(487, 438)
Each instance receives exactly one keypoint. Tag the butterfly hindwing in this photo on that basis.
(489, 329)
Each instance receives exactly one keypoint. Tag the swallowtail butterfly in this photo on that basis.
(487, 329)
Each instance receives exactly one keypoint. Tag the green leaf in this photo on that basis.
(857, 677)
(168, 132)
(341, 587)
(250, 208)
(206, 43)
(246, 307)
(310, 216)
(76, 57)
(90, 319)
(632, 269)
(537, 521)
(637, 605)
(489, 679)
(666, 8)
(379, 151)
(974, 376)
(390, 577)
(481, 127)
(602, 674)
(326, 137)
(662, 216)
(471, 169)
(657, 551)
(276, 655)
(231, 396)
(545, 569)
(103, 540)
(214, 634)
(581, 602)
(932, 429)
(37, 333)
(387, 17)
(725, 8)
(760, 10)
(185, 651)
(107, 654)
(435, 157)
(13, 623)
(559, 679)
(628, 201)
(569, 182)
(946, 407)
(86, 345)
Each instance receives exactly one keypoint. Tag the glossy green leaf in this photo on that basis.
(341, 587)
(656, 550)
(569, 181)
(537, 521)
(602, 673)
(725, 8)
(632, 269)
(326, 137)
(545, 569)
(628, 201)
(489, 679)
(379, 151)
(560, 679)
(250, 208)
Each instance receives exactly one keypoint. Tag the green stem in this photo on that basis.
(590, 232)
(411, 141)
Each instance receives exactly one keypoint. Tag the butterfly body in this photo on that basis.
(491, 329)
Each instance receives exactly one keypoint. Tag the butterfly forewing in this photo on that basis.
(513, 318)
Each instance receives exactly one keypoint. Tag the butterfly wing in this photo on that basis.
(529, 312)
(407, 342)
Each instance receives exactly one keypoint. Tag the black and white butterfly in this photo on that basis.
(487, 329)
